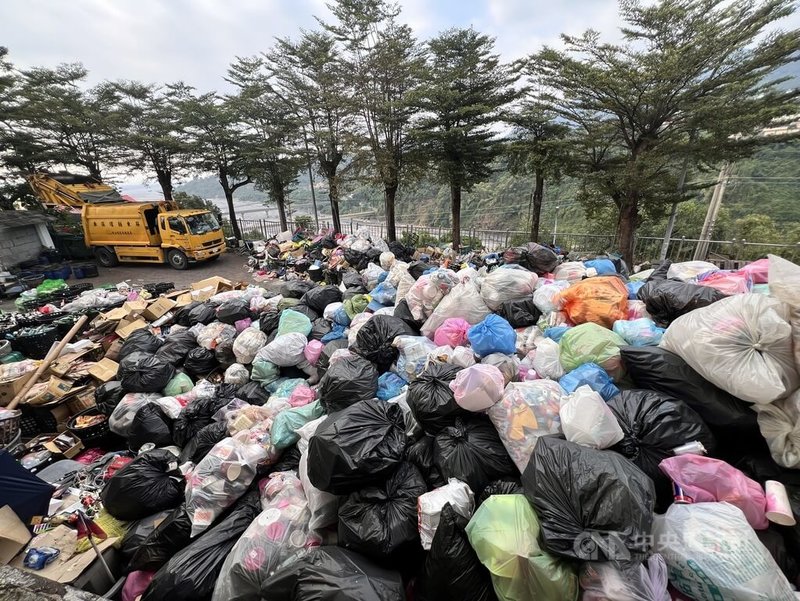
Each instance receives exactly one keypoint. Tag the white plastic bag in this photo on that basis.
(428, 291)
(605, 581)
(546, 297)
(324, 506)
(370, 275)
(386, 260)
(571, 271)
(779, 423)
(215, 333)
(237, 375)
(713, 553)
(478, 387)
(285, 351)
(429, 507)
(784, 284)
(742, 343)
(124, 413)
(690, 269)
(546, 360)
(330, 310)
(463, 356)
(464, 301)
(505, 284)
(588, 421)
(248, 343)
(355, 325)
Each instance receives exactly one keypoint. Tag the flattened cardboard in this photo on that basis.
(183, 299)
(69, 564)
(104, 370)
(136, 306)
(158, 309)
(126, 327)
(56, 390)
(13, 535)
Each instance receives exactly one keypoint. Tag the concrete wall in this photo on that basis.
(19, 244)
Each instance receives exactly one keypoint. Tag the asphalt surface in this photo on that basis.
(230, 266)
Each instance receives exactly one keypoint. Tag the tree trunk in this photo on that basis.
(538, 194)
(223, 180)
(165, 181)
(333, 194)
(389, 195)
(280, 200)
(626, 225)
(455, 206)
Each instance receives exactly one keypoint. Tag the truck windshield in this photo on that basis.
(202, 224)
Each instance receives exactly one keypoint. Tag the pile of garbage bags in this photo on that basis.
(526, 428)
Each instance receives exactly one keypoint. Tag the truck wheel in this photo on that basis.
(177, 260)
(106, 257)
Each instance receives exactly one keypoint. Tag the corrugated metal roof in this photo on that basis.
(9, 219)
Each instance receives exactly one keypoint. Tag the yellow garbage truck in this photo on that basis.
(130, 231)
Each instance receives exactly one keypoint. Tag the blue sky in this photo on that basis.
(195, 40)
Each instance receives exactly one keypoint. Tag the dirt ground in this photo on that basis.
(230, 265)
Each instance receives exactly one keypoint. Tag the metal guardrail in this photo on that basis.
(646, 249)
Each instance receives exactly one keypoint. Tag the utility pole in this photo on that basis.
(674, 212)
(701, 251)
(555, 226)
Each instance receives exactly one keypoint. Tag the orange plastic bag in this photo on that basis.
(600, 300)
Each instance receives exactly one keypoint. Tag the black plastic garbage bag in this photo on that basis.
(176, 347)
(148, 484)
(168, 537)
(253, 393)
(139, 372)
(353, 282)
(417, 268)
(191, 574)
(203, 313)
(382, 519)
(452, 570)
(227, 391)
(333, 574)
(150, 424)
(356, 447)
(233, 310)
(347, 381)
(374, 340)
(201, 443)
(471, 450)
(658, 369)
(401, 311)
(138, 532)
(200, 362)
(506, 486)
(194, 417)
(268, 322)
(224, 354)
(321, 296)
(666, 300)
(773, 540)
(108, 395)
(520, 313)
(181, 316)
(539, 259)
(420, 453)
(288, 462)
(305, 310)
(431, 400)
(400, 251)
(654, 424)
(325, 357)
(139, 341)
(591, 504)
(296, 288)
(357, 260)
(319, 327)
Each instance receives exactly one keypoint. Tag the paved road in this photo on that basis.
(230, 266)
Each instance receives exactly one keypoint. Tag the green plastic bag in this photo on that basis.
(293, 321)
(265, 372)
(592, 343)
(283, 387)
(284, 428)
(179, 384)
(50, 286)
(504, 533)
(288, 302)
(357, 304)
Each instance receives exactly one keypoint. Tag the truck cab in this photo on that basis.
(195, 233)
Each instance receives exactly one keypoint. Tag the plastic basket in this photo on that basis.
(35, 420)
(36, 346)
(92, 433)
(9, 428)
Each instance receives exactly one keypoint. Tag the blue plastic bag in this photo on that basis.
(389, 386)
(493, 335)
(283, 432)
(633, 289)
(593, 376)
(282, 387)
(337, 331)
(384, 293)
(556, 332)
(601, 266)
(341, 317)
(639, 332)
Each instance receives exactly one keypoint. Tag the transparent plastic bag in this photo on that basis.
(237, 375)
(247, 345)
(639, 332)
(713, 553)
(546, 298)
(413, 355)
(215, 333)
(588, 421)
(505, 284)
(742, 344)
(464, 301)
(428, 291)
(478, 387)
(546, 361)
(527, 411)
(571, 271)
(784, 282)
(429, 507)
(779, 423)
(605, 581)
(285, 351)
(371, 275)
(122, 417)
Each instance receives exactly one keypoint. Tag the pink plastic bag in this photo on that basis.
(707, 480)
(453, 332)
(135, 584)
(758, 271)
(243, 324)
(728, 282)
(312, 351)
(478, 387)
(301, 395)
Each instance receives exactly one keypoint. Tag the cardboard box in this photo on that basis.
(104, 370)
(115, 314)
(128, 326)
(70, 452)
(183, 299)
(82, 400)
(65, 363)
(56, 389)
(205, 289)
(112, 352)
(158, 308)
(69, 565)
(136, 306)
(13, 535)
(10, 388)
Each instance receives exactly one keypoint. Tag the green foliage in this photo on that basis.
(303, 221)
(190, 201)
